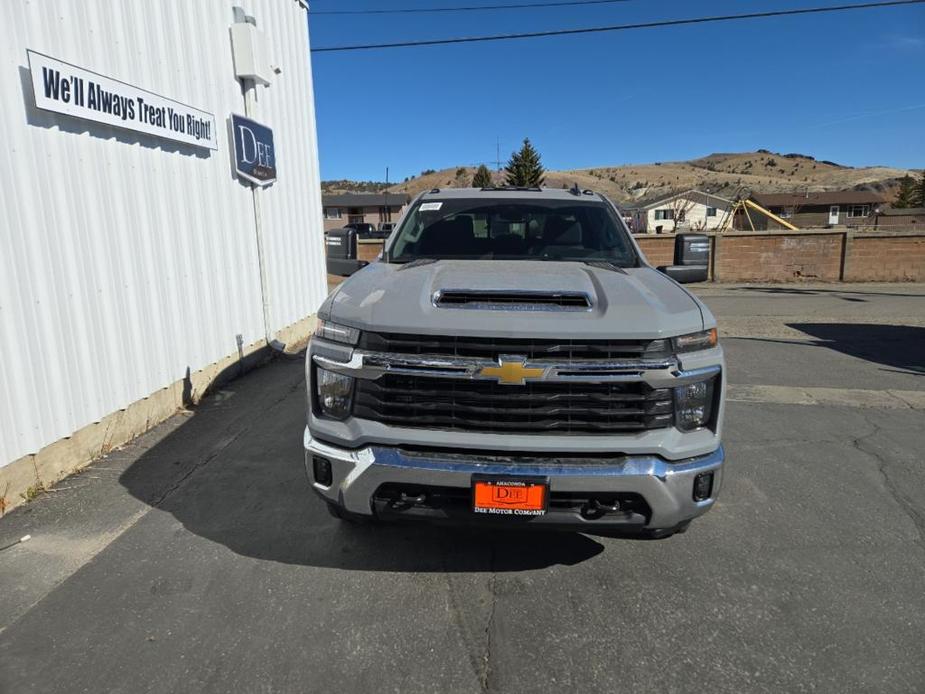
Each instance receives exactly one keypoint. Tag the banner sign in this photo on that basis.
(74, 91)
(254, 153)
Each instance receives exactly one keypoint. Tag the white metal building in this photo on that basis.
(130, 260)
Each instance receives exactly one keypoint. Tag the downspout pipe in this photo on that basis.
(249, 90)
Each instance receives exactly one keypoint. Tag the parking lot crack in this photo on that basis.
(862, 444)
(490, 626)
(205, 460)
(217, 450)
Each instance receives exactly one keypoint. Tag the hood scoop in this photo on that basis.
(512, 300)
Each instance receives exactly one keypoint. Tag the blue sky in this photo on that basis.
(848, 87)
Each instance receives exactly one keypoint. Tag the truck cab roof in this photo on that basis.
(509, 192)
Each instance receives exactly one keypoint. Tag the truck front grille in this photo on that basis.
(551, 408)
(531, 348)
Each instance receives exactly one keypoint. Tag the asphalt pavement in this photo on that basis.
(196, 559)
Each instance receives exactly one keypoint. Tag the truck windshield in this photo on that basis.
(511, 229)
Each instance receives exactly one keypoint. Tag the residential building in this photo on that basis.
(371, 208)
(899, 218)
(692, 210)
(816, 210)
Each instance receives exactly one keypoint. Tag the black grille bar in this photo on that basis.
(531, 349)
(468, 405)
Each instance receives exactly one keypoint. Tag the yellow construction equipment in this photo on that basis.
(742, 201)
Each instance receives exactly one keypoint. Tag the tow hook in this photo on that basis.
(407, 501)
(595, 509)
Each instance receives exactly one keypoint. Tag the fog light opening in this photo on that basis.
(322, 470)
(703, 486)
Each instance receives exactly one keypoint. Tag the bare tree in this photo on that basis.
(462, 178)
(796, 207)
(680, 206)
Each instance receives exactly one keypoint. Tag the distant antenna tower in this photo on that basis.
(498, 154)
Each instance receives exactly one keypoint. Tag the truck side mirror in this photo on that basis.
(684, 274)
(341, 248)
(691, 259)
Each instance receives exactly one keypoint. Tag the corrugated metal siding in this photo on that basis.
(125, 259)
(290, 242)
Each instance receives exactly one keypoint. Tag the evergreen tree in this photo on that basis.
(524, 168)
(907, 193)
(482, 178)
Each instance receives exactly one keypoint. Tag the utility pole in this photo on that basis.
(388, 215)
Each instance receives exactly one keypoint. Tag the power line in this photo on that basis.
(472, 8)
(622, 27)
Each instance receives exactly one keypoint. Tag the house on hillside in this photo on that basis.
(371, 208)
(692, 210)
(815, 210)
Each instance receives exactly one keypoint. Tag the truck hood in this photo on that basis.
(641, 303)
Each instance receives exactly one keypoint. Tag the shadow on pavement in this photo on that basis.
(897, 346)
(233, 473)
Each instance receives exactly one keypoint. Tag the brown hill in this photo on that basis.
(722, 174)
(348, 186)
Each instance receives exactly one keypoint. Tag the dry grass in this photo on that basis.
(722, 174)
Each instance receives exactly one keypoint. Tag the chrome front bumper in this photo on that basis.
(667, 487)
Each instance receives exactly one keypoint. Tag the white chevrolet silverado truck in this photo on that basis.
(512, 359)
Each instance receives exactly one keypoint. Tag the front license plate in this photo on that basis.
(509, 496)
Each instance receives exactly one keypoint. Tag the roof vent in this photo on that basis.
(500, 300)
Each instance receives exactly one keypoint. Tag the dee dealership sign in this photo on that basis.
(64, 88)
(254, 152)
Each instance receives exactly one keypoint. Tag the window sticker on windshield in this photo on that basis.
(430, 206)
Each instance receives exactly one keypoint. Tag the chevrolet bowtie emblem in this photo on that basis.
(511, 371)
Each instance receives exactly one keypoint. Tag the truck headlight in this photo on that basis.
(693, 405)
(337, 333)
(695, 341)
(335, 393)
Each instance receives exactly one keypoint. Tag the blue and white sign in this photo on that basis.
(254, 153)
